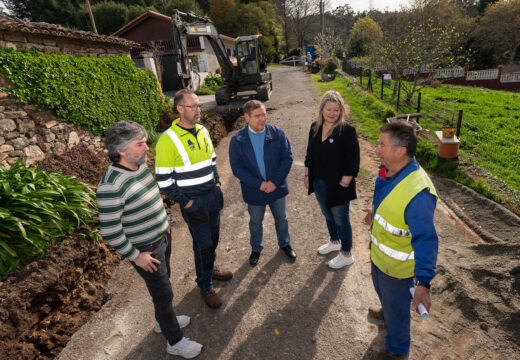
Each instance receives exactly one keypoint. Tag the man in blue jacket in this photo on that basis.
(261, 157)
(404, 242)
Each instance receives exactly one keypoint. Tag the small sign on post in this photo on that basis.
(387, 79)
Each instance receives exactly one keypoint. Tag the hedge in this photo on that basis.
(89, 92)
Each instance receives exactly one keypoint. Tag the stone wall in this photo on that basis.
(29, 134)
(60, 45)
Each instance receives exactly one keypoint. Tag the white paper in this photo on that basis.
(422, 309)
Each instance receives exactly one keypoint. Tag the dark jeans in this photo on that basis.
(160, 288)
(337, 217)
(395, 298)
(203, 219)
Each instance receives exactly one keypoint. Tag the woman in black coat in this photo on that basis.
(331, 166)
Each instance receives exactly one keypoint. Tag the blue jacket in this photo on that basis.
(277, 158)
(419, 218)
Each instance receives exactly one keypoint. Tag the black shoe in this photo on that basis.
(253, 259)
(289, 252)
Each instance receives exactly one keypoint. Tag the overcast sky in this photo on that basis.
(360, 5)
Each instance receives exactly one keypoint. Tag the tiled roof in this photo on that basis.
(14, 24)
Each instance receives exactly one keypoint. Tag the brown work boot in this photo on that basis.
(376, 313)
(221, 275)
(211, 298)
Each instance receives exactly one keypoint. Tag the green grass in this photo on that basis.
(365, 109)
(490, 125)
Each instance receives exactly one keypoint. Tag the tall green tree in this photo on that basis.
(498, 31)
(365, 38)
(62, 12)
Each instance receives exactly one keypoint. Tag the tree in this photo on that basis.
(420, 47)
(54, 12)
(109, 16)
(365, 38)
(219, 8)
(253, 18)
(182, 5)
(498, 31)
(329, 41)
(301, 16)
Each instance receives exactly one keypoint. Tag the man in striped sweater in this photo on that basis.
(134, 222)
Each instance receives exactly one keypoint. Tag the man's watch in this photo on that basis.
(423, 284)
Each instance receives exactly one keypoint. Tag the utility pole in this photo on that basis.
(322, 10)
(91, 17)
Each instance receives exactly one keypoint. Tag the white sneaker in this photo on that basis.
(329, 247)
(185, 348)
(340, 261)
(183, 321)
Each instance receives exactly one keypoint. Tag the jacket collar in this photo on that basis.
(242, 134)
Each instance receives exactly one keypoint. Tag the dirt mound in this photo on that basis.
(45, 303)
(86, 165)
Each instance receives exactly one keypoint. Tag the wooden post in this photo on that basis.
(459, 123)
(91, 17)
(382, 85)
(398, 95)
(419, 102)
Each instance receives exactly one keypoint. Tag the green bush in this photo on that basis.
(211, 84)
(330, 67)
(36, 210)
(92, 93)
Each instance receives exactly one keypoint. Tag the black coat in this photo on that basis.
(342, 160)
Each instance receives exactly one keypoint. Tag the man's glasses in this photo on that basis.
(193, 107)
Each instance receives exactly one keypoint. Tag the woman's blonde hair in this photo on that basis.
(334, 97)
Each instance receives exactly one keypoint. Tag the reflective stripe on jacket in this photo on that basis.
(185, 162)
(391, 249)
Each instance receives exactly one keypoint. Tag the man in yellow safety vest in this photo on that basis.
(186, 171)
(404, 241)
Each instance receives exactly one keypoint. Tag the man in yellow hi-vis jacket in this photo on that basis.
(404, 241)
(186, 171)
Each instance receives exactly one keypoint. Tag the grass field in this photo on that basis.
(490, 127)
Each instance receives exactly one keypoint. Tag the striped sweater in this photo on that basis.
(131, 211)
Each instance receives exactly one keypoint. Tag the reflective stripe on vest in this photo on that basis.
(390, 228)
(395, 254)
(180, 148)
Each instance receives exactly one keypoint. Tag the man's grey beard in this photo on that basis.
(138, 160)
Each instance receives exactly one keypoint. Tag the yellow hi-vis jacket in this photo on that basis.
(391, 248)
(185, 164)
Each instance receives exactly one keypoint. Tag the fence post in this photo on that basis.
(459, 123)
(369, 84)
(398, 95)
(419, 102)
(361, 77)
(382, 85)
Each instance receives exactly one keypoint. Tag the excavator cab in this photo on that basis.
(250, 54)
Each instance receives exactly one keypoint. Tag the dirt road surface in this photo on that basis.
(304, 310)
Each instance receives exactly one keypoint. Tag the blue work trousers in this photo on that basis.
(395, 298)
(160, 288)
(337, 217)
(203, 219)
(281, 223)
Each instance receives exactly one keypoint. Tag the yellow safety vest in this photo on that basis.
(391, 248)
(183, 159)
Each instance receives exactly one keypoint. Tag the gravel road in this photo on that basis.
(304, 310)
